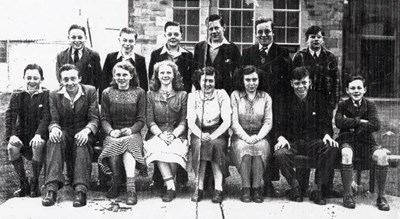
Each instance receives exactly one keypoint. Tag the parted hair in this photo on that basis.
(205, 71)
(67, 67)
(299, 73)
(34, 66)
(77, 26)
(261, 20)
(130, 68)
(246, 70)
(354, 77)
(155, 83)
(128, 30)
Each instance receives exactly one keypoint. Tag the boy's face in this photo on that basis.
(301, 86)
(264, 33)
(315, 41)
(70, 80)
(127, 42)
(216, 31)
(356, 90)
(77, 38)
(32, 79)
(173, 36)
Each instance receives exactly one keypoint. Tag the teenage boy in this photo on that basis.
(86, 60)
(304, 127)
(357, 119)
(218, 52)
(74, 122)
(27, 118)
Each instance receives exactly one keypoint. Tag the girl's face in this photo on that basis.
(165, 74)
(122, 77)
(250, 82)
(207, 83)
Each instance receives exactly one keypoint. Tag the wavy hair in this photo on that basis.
(246, 70)
(130, 68)
(155, 83)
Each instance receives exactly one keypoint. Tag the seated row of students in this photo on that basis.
(302, 126)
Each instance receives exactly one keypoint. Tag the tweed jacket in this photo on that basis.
(84, 114)
(88, 65)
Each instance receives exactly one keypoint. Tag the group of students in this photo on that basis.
(275, 108)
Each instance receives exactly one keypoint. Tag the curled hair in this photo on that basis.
(246, 70)
(299, 73)
(205, 71)
(126, 65)
(67, 67)
(77, 26)
(354, 77)
(34, 67)
(261, 20)
(314, 30)
(155, 83)
(128, 30)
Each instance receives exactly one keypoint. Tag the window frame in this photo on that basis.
(185, 8)
(286, 10)
(3, 55)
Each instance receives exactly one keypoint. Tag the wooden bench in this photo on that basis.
(304, 162)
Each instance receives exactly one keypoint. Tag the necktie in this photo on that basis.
(264, 52)
(315, 56)
(76, 56)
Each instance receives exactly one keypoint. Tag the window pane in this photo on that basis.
(193, 3)
(192, 33)
(184, 35)
(247, 35)
(179, 3)
(226, 33)
(279, 35)
(279, 4)
(247, 4)
(236, 18)
(293, 4)
(236, 34)
(225, 15)
(292, 35)
(248, 18)
(193, 17)
(236, 4)
(293, 19)
(179, 16)
(279, 18)
(224, 3)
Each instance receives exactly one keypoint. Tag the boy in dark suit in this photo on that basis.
(127, 39)
(218, 52)
(27, 118)
(86, 60)
(357, 118)
(303, 126)
(74, 122)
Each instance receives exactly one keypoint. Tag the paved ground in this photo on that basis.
(152, 207)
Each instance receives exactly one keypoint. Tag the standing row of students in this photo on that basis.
(301, 121)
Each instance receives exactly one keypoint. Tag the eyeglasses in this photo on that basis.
(76, 37)
(124, 40)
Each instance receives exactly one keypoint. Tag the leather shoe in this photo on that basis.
(295, 195)
(113, 192)
(197, 195)
(257, 195)
(317, 197)
(217, 197)
(50, 198)
(382, 204)
(348, 201)
(80, 199)
(245, 197)
(132, 198)
(23, 190)
(169, 195)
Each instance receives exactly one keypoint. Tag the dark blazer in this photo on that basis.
(226, 61)
(85, 113)
(184, 63)
(352, 131)
(88, 65)
(111, 60)
(324, 73)
(307, 122)
(277, 66)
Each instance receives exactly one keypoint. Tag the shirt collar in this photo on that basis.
(80, 51)
(130, 56)
(355, 104)
(312, 52)
(166, 50)
(201, 95)
(243, 94)
(40, 90)
(260, 47)
(217, 45)
(64, 92)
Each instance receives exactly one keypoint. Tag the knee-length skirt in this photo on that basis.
(240, 148)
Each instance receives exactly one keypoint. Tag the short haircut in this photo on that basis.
(67, 67)
(246, 70)
(261, 20)
(215, 17)
(299, 73)
(76, 26)
(126, 65)
(173, 23)
(176, 81)
(128, 30)
(354, 77)
(314, 30)
(34, 67)
(205, 71)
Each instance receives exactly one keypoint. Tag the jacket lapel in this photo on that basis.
(81, 101)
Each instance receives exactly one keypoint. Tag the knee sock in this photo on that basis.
(81, 188)
(130, 184)
(169, 182)
(381, 174)
(347, 178)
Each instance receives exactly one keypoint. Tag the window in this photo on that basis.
(3, 51)
(186, 12)
(287, 21)
(238, 17)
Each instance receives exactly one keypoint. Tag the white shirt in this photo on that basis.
(260, 47)
(66, 95)
(126, 57)
(312, 52)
